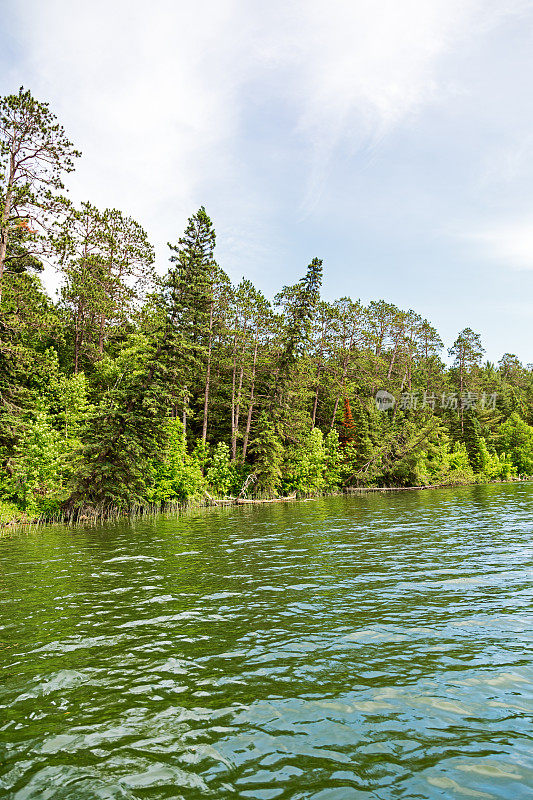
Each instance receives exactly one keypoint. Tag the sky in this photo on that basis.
(394, 140)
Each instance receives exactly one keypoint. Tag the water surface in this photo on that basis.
(376, 646)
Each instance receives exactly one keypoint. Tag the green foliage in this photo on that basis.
(34, 156)
(332, 462)
(303, 467)
(460, 468)
(9, 512)
(128, 427)
(201, 453)
(494, 467)
(515, 439)
(34, 479)
(300, 304)
(177, 476)
(74, 406)
(106, 262)
(361, 439)
(473, 442)
(267, 452)
(432, 458)
(403, 462)
(92, 387)
(220, 474)
(467, 349)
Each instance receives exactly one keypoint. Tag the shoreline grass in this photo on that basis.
(12, 517)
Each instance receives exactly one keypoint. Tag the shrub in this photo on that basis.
(515, 439)
(177, 475)
(303, 469)
(221, 475)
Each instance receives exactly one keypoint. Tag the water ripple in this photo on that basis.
(366, 647)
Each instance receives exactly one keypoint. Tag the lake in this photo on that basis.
(373, 646)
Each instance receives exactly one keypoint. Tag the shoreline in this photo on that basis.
(355, 489)
(214, 502)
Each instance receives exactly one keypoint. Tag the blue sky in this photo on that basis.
(393, 140)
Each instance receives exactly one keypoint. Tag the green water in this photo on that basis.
(377, 646)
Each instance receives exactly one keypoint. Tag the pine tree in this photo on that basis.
(299, 303)
(467, 351)
(192, 284)
(348, 430)
(128, 428)
(471, 436)
(34, 155)
(267, 452)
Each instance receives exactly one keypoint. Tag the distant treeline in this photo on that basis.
(136, 388)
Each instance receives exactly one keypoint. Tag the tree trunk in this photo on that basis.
(3, 250)
(233, 380)
(250, 408)
(343, 392)
(207, 375)
(237, 415)
(461, 367)
(334, 412)
(184, 416)
(101, 335)
(319, 369)
(6, 211)
(393, 359)
(315, 404)
(78, 338)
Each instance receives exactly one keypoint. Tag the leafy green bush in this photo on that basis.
(332, 462)
(460, 468)
(9, 512)
(515, 439)
(35, 481)
(176, 475)
(221, 475)
(303, 468)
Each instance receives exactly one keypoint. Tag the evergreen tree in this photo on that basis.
(267, 452)
(348, 429)
(473, 441)
(467, 351)
(34, 155)
(103, 394)
(299, 303)
(128, 428)
(191, 281)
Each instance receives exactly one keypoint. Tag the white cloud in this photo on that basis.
(147, 91)
(354, 71)
(510, 244)
(158, 95)
(363, 67)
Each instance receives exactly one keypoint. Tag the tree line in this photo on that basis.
(136, 387)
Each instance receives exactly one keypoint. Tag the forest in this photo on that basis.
(146, 386)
